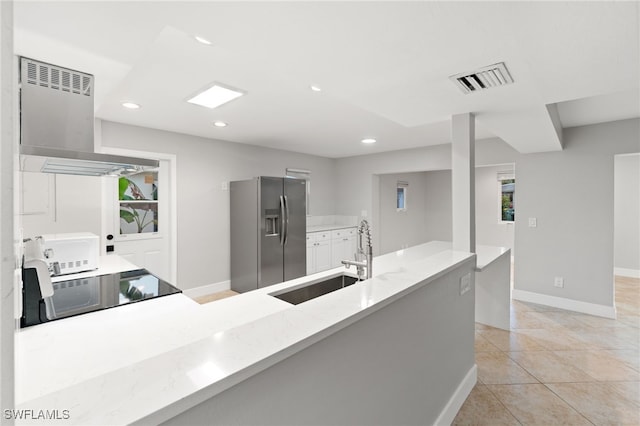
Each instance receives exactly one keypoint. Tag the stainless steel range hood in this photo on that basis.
(56, 125)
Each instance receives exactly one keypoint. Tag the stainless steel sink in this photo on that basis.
(316, 289)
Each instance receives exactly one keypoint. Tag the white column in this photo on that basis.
(8, 148)
(463, 182)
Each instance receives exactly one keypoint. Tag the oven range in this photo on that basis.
(77, 296)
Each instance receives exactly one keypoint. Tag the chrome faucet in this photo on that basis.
(364, 230)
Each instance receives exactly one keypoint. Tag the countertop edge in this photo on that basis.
(489, 258)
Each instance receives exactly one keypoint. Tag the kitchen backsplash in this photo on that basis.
(332, 220)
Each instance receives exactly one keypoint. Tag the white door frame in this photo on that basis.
(172, 235)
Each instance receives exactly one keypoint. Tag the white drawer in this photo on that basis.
(318, 236)
(338, 233)
(342, 233)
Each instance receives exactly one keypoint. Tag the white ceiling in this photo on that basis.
(383, 67)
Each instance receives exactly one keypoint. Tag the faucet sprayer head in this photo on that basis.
(364, 230)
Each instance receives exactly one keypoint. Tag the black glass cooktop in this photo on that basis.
(77, 296)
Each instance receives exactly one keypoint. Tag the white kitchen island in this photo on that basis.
(397, 348)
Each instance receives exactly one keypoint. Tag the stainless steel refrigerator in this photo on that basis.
(268, 231)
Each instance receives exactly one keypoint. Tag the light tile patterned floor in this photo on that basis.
(559, 367)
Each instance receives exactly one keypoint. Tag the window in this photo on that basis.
(401, 196)
(508, 189)
(138, 196)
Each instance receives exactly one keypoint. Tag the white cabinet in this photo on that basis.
(311, 255)
(318, 251)
(343, 245)
(327, 249)
(323, 255)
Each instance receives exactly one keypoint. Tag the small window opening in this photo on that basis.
(401, 196)
(507, 207)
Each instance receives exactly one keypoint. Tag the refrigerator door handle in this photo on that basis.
(286, 228)
(282, 221)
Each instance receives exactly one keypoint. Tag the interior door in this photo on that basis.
(295, 247)
(141, 223)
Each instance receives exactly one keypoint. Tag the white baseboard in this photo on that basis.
(623, 272)
(459, 396)
(207, 289)
(563, 303)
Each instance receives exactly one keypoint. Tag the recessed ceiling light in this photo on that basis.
(220, 124)
(315, 88)
(130, 105)
(215, 96)
(368, 140)
(202, 40)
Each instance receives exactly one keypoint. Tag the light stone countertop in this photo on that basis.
(147, 362)
(485, 255)
(488, 254)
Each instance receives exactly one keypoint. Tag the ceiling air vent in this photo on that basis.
(483, 78)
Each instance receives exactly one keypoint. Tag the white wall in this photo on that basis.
(359, 181)
(8, 216)
(439, 207)
(202, 205)
(355, 173)
(60, 203)
(571, 194)
(429, 214)
(405, 228)
(627, 215)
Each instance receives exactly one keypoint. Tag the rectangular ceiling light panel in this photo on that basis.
(481, 79)
(215, 96)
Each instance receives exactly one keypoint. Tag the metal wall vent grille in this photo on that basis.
(57, 78)
(482, 79)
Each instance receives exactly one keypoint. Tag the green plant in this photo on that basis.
(124, 184)
(506, 202)
(131, 214)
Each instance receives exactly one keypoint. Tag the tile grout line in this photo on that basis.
(528, 372)
(566, 402)
(496, 396)
(545, 385)
(502, 403)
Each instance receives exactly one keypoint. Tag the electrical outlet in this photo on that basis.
(558, 282)
(465, 284)
(533, 222)
(225, 185)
